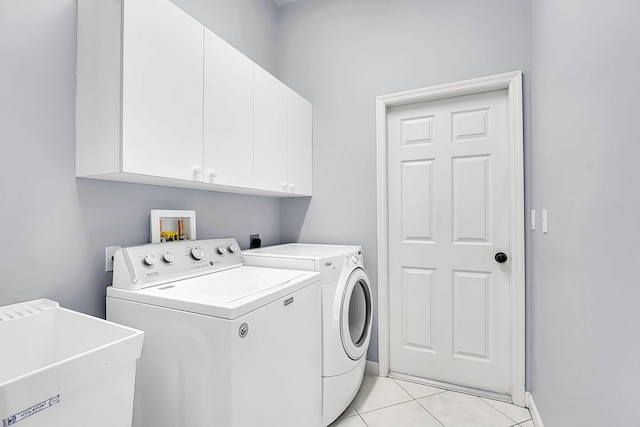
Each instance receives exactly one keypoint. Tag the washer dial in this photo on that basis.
(197, 253)
(168, 257)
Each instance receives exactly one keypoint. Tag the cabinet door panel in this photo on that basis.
(270, 132)
(228, 114)
(162, 90)
(299, 144)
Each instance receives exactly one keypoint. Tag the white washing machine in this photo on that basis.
(225, 344)
(346, 313)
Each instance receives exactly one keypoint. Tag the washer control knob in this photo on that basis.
(168, 257)
(197, 253)
(354, 259)
(221, 250)
(233, 249)
(149, 259)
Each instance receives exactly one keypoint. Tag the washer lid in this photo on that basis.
(228, 294)
(301, 250)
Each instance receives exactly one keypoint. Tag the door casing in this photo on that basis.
(513, 83)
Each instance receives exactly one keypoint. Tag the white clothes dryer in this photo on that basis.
(347, 311)
(225, 344)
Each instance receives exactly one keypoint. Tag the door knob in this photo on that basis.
(501, 257)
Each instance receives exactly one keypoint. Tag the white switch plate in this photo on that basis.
(544, 221)
(108, 257)
(533, 220)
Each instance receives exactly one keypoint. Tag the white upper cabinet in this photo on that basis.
(270, 132)
(139, 95)
(299, 144)
(161, 91)
(162, 100)
(228, 114)
(282, 137)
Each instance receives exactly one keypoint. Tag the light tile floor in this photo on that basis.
(387, 402)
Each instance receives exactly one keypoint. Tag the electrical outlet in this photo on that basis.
(254, 241)
(108, 257)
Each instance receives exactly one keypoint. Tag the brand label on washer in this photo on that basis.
(244, 330)
(30, 411)
(288, 301)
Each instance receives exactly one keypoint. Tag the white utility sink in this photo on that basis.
(63, 368)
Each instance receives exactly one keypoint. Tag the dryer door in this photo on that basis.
(355, 314)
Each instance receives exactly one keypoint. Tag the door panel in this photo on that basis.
(471, 307)
(416, 130)
(416, 303)
(471, 124)
(448, 189)
(471, 194)
(417, 206)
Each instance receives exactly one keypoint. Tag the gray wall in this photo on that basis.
(585, 362)
(54, 226)
(584, 160)
(341, 55)
(248, 25)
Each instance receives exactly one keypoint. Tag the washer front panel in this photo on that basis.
(356, 314)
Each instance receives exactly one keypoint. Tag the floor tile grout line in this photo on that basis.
(383, 407)
(517, 422)
(398, 404)
(415, 398)
(445, 391)
(498, 411)
(429, 412)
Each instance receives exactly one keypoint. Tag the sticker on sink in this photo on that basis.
(30, 411)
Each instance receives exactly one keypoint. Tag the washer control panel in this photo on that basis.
(139, 267)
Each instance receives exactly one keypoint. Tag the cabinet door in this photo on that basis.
(299, 144)
(228, 114)
(161, 91)
(270, 132)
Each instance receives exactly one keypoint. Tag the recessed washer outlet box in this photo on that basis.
(109, 251)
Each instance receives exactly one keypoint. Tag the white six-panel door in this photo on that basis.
(449, 299)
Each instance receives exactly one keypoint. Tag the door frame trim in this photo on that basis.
(513, 83)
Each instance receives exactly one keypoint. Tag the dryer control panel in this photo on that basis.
(139, 267)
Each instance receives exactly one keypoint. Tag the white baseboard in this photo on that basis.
(535, 415)
(371, 368)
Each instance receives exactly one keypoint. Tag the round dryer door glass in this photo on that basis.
(356, 314)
